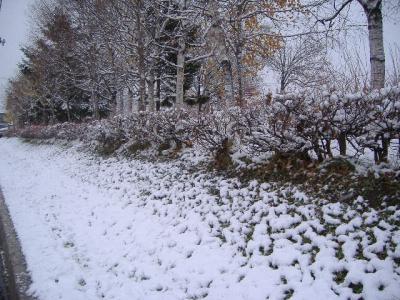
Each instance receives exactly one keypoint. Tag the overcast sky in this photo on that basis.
(14, 28)
(356, 40)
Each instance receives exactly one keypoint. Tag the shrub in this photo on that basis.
(299, 124)
(173, 127)
(109, 135)
(213, 130)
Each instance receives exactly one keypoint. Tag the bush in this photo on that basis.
(109, 135)
(173, 127)
(37, 132)
(214, 129)
(298, 124)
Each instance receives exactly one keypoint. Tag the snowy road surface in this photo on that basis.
(112, 228)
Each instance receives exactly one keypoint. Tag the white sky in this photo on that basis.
(14, 27)
(355, 40)
(358, 39)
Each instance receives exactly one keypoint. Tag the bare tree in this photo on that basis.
(373, 13)
(353, 75)
(394, 69)
(299, 62)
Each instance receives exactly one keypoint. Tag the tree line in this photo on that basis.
(97, 58)
(94, 58)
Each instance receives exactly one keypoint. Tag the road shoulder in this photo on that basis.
(18, 278)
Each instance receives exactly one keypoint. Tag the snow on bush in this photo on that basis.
(215, 128)
(302, 123)
(311, 121)
(172, 127)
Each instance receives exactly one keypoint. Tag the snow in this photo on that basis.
(113, 228)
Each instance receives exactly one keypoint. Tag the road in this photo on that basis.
(5, 286)
(12, 262)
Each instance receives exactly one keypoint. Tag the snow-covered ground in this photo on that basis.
(94, 228)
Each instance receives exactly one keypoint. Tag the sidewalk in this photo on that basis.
(14, 278)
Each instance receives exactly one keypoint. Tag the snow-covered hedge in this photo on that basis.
(65, 131)
(311, 121)
(302, 123)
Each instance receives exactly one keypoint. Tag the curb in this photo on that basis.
(13, 261)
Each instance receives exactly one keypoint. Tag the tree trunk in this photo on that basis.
(318, 151)
(142, 88)
(342, 144)
(113, 103)
(240, 79)
(376, 47)
(129, 103)
(373, 11)
(53, 114)
(216, 38)
(68, 111)
(150, 85)
(180, 74)
(239, 52)
(229, 86)
(158, 93)
(156, 71)
(141, 57)
(119, 103)
(95, 104)
(282, 85)
(385, 149)
(398, 150)
(381, 154)
(198, 91)
(283, 69)
(328, 147)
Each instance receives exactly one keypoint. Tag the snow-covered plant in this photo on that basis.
(35, 131)
(172, 127)
(108, 135)
(214, 129)
(310, 120)
(302, 123)
(384, 122)
(281, 126)
(137, 127)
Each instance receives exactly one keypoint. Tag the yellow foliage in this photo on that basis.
(262, 44)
